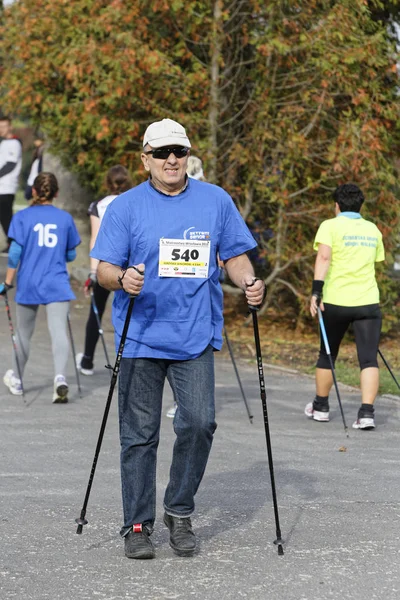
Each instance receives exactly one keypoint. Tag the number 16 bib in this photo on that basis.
(184, 258)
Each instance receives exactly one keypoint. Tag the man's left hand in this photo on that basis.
(255, 290)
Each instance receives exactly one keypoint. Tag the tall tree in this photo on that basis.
(283, 100)
(325, 111)
(93, 73)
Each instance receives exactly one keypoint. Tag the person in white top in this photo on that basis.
(10, 168)
(117, 181)
(195, 168)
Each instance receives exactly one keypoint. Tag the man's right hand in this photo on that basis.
(132, 279)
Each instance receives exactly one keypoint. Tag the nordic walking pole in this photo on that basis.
(82, 521)
(101, 332)
(73, 356)
(237, 375)
(279, 541)
(14, 342)
(328, 351)
(388, 368)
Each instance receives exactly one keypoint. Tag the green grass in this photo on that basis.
(350, 375)
(298, 350)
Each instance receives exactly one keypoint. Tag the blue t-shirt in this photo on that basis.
(46, 234)
(174, 318)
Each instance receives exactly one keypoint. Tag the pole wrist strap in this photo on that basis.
(121, 277)
(123, 271)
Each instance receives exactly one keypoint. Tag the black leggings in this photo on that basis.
(6, 212)
(367, 323)
(92, 330)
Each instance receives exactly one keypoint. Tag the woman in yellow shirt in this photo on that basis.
(347, 247)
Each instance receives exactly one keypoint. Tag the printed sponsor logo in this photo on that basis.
(192, 234)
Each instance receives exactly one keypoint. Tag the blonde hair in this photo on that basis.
(195, 168)
(46, 187)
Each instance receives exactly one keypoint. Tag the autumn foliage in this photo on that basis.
(283, 101)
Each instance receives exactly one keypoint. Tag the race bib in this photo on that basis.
(184, 258)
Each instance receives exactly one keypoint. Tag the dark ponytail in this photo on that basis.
(46, 187)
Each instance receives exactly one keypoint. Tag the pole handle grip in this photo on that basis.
(140, 273)
(253, 308)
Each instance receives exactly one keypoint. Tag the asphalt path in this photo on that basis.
(338, 497)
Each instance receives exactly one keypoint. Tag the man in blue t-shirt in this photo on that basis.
(159, 242)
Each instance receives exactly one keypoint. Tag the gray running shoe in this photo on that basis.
(13, 383)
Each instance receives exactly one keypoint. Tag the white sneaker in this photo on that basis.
(317, 415)
(78, 361)
(364, 423)
(171, 412)
(60, 395)
(13, 383)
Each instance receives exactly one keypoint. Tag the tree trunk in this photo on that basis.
(213, 112)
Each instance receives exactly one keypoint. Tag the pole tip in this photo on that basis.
(80, 522)
(279, 542)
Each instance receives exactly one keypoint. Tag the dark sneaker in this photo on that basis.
(181, 537)
(138, 543)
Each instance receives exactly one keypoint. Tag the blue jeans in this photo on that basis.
(141, 384)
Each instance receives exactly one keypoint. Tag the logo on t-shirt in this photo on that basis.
(192, 234)
(360, 240)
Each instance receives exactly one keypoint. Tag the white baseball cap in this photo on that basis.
(166, 133)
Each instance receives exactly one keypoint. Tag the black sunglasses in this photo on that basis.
(165, 151)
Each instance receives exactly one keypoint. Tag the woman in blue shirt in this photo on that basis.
(44, 239)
